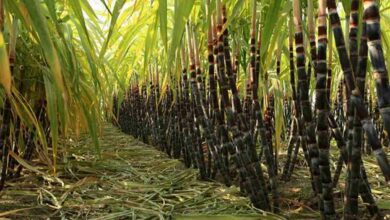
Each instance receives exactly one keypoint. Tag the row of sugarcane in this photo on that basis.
(17, 137)
(205, 121)
(354, 65)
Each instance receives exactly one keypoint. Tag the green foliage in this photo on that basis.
(78, 53)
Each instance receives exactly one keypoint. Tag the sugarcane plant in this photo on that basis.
(44, 83)
(219, 115)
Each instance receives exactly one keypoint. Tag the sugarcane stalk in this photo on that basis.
(293, 128)
(250, 171)
(255, 94)
(356, 102)
(214, 111)
(216, 153)
(252, 88)
(185, 111)
(353, 35)
(379, 70)
(354, 148)
(322, 108)
(297, 115)
(312, 38)
(303, 93)
(256, 112)
(292, 145)
(364, 188)
(294, 159)
(356, 98)
(330, 60)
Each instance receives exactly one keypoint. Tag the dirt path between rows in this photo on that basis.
(130, 181)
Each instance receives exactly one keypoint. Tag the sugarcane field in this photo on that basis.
(194, 109)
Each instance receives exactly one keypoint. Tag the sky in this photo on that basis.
(97, 5)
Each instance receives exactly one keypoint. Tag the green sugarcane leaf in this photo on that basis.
(26, 114)
(115, 14)
(89, 11)
(346, 6)
(183, 9)
(150, 44)
(52, 109)
(40, 24)
(269, 25)
(5, 72)
(162, 11)
(77, 9)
